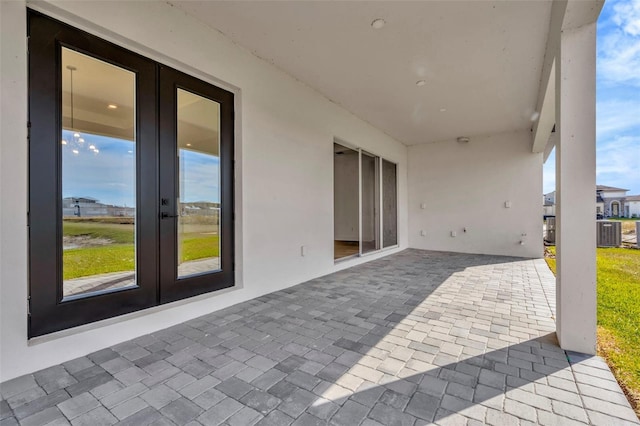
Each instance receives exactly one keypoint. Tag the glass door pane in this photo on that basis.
(389, 204)
(98, 152)
(370, 199)
(198, 203)
(345, 202)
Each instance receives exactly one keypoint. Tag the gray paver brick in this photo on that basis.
(199, 386)
(16, 386)
(181, 411)
(245, 417)
(209, 398)
(220, 412)
(351, 413)
(423, 406)
(235, 388)
(40, 404)
(144, 417)
(97, 417)
(520, 410)
(296, 403)
(414, 337)
(260, 401)
(276, 418)
(160, 396)
(118, 397)
(25, 397)
(43, 417)
(129, 407)
(78, 405)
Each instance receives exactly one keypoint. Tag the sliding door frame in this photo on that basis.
(380, 172)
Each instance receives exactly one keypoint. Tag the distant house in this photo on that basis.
(610, 202)
(632, 206)
(91, 207)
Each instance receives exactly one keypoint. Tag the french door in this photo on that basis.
(130, 181)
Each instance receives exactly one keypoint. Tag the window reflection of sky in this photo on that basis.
(109, 176)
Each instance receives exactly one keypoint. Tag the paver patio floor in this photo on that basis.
(414, 338)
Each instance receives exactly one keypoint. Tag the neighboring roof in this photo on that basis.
(81, 198)
(609, 188)
(632, 198)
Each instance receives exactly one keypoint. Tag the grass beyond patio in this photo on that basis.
(618, 281)
(116, 251)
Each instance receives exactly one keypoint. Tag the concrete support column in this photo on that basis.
(575, 189)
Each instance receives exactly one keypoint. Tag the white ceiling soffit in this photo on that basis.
(481, 61)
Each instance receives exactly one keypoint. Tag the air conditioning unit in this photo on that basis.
(608, 233)
(550, 235)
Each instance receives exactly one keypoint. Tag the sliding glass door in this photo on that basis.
(370, 202)
(365, 202)
(346, 201)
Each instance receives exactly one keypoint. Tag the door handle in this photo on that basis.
(165, 215)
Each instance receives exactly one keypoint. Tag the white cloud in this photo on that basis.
(616, 116)
(627, 16)
(618, 163)
(619, 46)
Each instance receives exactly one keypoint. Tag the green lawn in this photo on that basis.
(619, 314)
(120, 254)
(83, 262)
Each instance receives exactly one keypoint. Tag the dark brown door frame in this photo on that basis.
(47, 310)
(172, 288)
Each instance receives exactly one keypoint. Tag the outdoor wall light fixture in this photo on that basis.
(378, 23)
(463, 139)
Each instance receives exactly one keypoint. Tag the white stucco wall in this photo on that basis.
(613, 194)
(466, 185)
(634, 208)
(285, 134)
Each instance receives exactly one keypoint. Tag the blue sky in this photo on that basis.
(617, 99)
(109, 175)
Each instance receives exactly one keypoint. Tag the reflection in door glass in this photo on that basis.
(98, 175)
(198, 200)
(370, 194)
(346, 216)
(389, 204)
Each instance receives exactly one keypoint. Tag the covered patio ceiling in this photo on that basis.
(481, 61)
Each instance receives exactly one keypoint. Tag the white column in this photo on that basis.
(575, 189)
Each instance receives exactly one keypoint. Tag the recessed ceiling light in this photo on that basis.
(112, 106)
(443, 109)
(188, 144)
(420, 83)
(378, 23)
